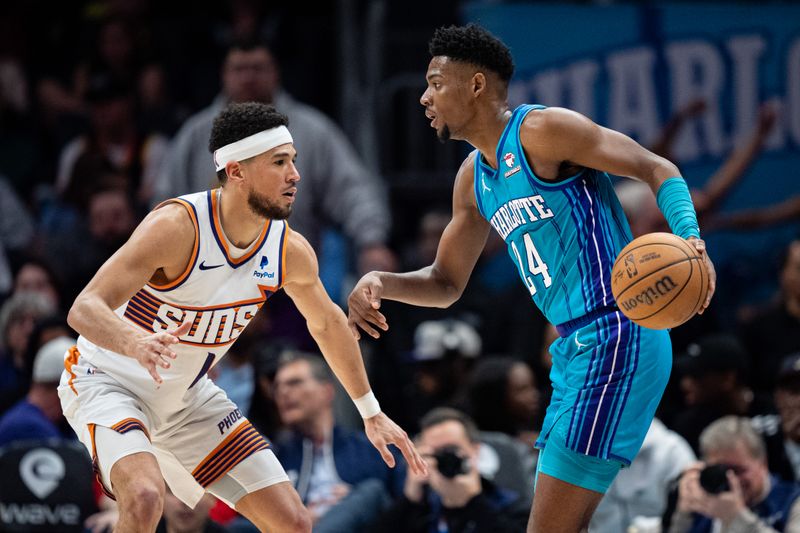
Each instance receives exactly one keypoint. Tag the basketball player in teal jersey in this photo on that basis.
(539, 177)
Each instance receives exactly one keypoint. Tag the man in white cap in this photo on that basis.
(37, 415)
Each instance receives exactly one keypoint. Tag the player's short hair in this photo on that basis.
(238, 121)
(475, 45)
(440, 415)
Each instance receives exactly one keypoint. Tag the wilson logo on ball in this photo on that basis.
(660, 288)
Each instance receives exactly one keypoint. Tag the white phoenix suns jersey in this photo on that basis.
(219, 293)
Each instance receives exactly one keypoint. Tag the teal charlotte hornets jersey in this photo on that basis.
(563, 236)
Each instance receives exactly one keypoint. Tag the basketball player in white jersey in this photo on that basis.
(168, 305)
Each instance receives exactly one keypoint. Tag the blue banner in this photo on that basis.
(630, 67)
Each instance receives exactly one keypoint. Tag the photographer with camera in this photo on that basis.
(732, 491)
(453, 497)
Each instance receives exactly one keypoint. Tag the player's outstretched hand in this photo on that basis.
(363, 304)
(700, 246)
(381, 432)
(155, 350)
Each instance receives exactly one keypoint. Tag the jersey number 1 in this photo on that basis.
(535, 264)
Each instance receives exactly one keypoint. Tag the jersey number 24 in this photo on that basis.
(536, 267)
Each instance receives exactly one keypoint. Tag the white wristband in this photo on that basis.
(367, 405)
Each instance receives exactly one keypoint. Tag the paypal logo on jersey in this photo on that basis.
(260, 273)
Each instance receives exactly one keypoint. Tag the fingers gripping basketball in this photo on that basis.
(659, 281)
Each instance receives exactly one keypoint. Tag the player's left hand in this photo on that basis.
(700, 246)
(381, 432)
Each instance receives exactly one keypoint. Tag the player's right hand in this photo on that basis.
(155, 350)
(363, 304)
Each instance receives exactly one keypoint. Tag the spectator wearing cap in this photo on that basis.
(712, 378)
(38, 414)
(775, 333)
(441, 361)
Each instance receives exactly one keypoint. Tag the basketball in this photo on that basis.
(659, 281)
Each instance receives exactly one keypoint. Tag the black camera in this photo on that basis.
(449, 463)
(714, 479)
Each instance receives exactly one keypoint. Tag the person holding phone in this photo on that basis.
(732, 490)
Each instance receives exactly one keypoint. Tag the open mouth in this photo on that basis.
(432, 117)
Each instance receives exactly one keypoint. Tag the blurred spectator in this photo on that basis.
(639, 202)
(743, 496)
(19, 146)
(16, 231)
(502, 396)
(113, 134)
(34, 275)
(45, 329)
(39, 414)
(18, 316)
(775, 332)
(235, 373)
(759, 217)
(712, 376)
(180, 518)
(335, 187)
(663, 145)
(453, 496)
(422, 252)
(263, 413)
(441, 361)
(337, 473)
(782, 432)
(114, 53)
(641, 490)
(111, 218)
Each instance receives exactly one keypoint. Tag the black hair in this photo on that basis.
(248, 44)
(440, 415)
(475, 45)
(238, 121)
(488, 394)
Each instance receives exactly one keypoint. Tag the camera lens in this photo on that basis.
(449, 463)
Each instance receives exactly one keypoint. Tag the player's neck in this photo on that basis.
(239, 224)
(487, 132)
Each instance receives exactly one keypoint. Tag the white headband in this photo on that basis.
(253, 145)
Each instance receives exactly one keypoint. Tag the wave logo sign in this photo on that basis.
(41, 470)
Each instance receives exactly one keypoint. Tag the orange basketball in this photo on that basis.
(659, 281)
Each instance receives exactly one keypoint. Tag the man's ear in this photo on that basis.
(234, 171)
(478, 85)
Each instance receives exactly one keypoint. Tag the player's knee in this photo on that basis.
(145, 500)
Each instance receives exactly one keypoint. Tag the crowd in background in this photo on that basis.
(105, 111)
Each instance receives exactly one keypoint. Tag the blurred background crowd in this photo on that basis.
(106, 108)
